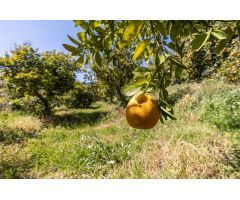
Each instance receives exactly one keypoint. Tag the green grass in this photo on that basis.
(223, 109)
(98, 143)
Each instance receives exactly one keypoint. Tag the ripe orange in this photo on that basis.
(142, 111)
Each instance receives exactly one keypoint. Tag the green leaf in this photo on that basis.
(168, 26)
(119, 45)
(81, 36)
(222, 44)
(174, 31)
(165, 104)
(170, 115)
(84, 26)
(150, 88)
(73, 40)
(178, 72)
(132, 89)
(229, 32)
(167, 110)
(75, 51)
(107, 43)
(178, 63)
(131, 31)
(219, 35)
(141, 69)
(165, 93)
(179, 48)
(238, 29)
(96, 24)
(100, 31)
(162, 58)
(98, 59)
(81, 23)
(176, 47)
(157, 60)
(161, 119)
(80, 60)
(140, 78)
(161, 28)
(171, 45)
(140, 48)
(141, 72)
(78, 22)
(88, 58)
(200, 40)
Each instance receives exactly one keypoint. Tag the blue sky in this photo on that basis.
(43, 34)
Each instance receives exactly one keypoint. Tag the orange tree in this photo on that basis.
(156, 47)
(36, 80)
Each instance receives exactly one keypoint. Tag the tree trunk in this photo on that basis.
(46, 110)
(121, 97)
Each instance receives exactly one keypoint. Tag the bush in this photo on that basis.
(223, 110)
(79, 97)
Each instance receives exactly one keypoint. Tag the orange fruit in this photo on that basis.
(142, 111)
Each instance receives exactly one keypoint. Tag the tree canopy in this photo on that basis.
(39, 77)
(157, 48)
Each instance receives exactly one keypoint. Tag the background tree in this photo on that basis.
(101, 91)
(206, 62)
(230, 67)
(100, 52)
(3, 95)
(116, 76)
(38, 78)
(81, 96)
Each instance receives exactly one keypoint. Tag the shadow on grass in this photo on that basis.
(10, 136)
(76, 118)
(178, 95)
(89, 107)
(15, 168)
(232, 159)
